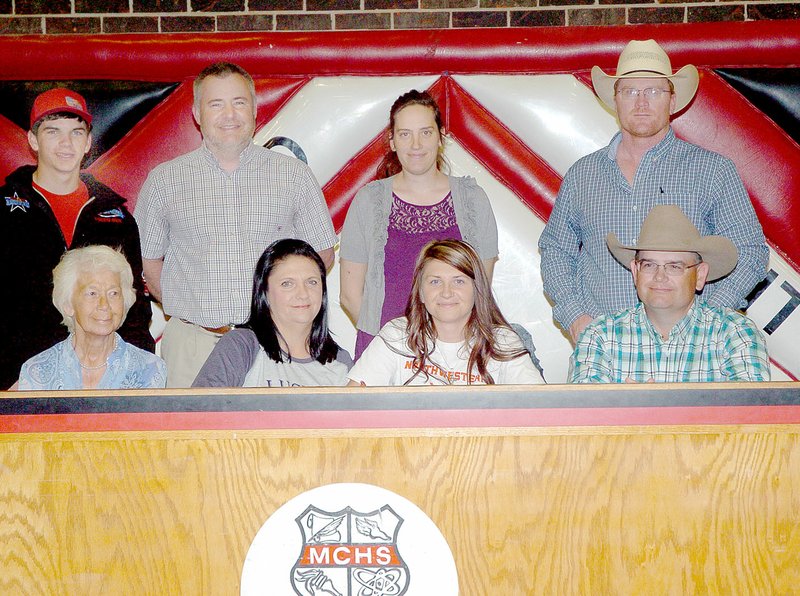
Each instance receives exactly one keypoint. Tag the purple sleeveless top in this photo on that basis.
(410, 228)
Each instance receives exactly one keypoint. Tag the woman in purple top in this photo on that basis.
(413, 203)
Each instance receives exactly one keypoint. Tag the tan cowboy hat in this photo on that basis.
(646, 59)
(666, 228)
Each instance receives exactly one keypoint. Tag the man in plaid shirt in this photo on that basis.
(671, 335)
(205, 218)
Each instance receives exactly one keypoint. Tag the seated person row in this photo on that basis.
(672, 335)
(286, 342)
(93, 290)
(453, 332)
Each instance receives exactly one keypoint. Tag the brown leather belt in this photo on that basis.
(218, 330)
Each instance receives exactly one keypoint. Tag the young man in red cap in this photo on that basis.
(45, 210)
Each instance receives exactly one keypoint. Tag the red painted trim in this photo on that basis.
(150, 57)
(383, 419)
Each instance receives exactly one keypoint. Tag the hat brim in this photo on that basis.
(64, 109)
(717, 251)
(685, 82)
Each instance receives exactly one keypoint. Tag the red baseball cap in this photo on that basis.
(56, 100)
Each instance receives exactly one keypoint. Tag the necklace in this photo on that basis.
(98, 366)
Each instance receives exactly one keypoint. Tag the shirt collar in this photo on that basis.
(679, 330)
(244, 157)
(655, 153)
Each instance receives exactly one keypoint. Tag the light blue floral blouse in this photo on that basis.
(58, 367)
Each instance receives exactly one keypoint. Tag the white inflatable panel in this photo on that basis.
(517, 282)
(333, 118)
(783, 341)
(343, 331)
(557, 116)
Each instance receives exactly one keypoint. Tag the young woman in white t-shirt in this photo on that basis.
(453, 332)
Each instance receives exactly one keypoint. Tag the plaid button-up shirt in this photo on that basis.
(708, 344)
(581, 276)
(211, 227)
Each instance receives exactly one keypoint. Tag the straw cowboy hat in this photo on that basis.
(667, 229)
(646, 59)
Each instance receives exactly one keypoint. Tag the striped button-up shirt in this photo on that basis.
(708, 344)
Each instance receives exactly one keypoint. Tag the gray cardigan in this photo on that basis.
(366, 230)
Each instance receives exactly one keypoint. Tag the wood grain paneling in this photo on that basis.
(666, 510)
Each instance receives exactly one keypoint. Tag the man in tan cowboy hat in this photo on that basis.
(671, 335)
(644, 165)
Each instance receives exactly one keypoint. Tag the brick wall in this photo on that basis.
(153, 16)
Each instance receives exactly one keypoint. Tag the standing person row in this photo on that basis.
(613, 189)
(391, 219)
(47, 209)
(207, 216)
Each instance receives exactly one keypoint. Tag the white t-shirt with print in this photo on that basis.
(387, 361)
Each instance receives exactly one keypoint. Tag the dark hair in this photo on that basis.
(222, 70)
(482, 323)
(58, 116)
(390, 165)
(321, 345)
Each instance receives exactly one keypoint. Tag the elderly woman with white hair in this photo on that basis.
(93, 290)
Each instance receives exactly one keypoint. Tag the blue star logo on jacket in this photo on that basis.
(15, 203)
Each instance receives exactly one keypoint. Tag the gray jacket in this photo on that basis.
(366, 230)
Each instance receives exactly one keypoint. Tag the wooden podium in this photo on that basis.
(546, 490)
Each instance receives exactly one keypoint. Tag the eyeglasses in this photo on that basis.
(672, 269)
(649, 93)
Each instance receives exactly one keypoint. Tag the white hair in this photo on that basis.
(88, 260)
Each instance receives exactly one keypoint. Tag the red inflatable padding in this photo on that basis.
(14, 149)
(501, 151)
(170, 130)
(359, 171)
(768, 160)
(546, 50)
(166, 132)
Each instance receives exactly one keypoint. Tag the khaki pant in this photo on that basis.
(185, 348)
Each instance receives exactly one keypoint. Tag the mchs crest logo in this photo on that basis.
(349, 539)
(350, 553)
